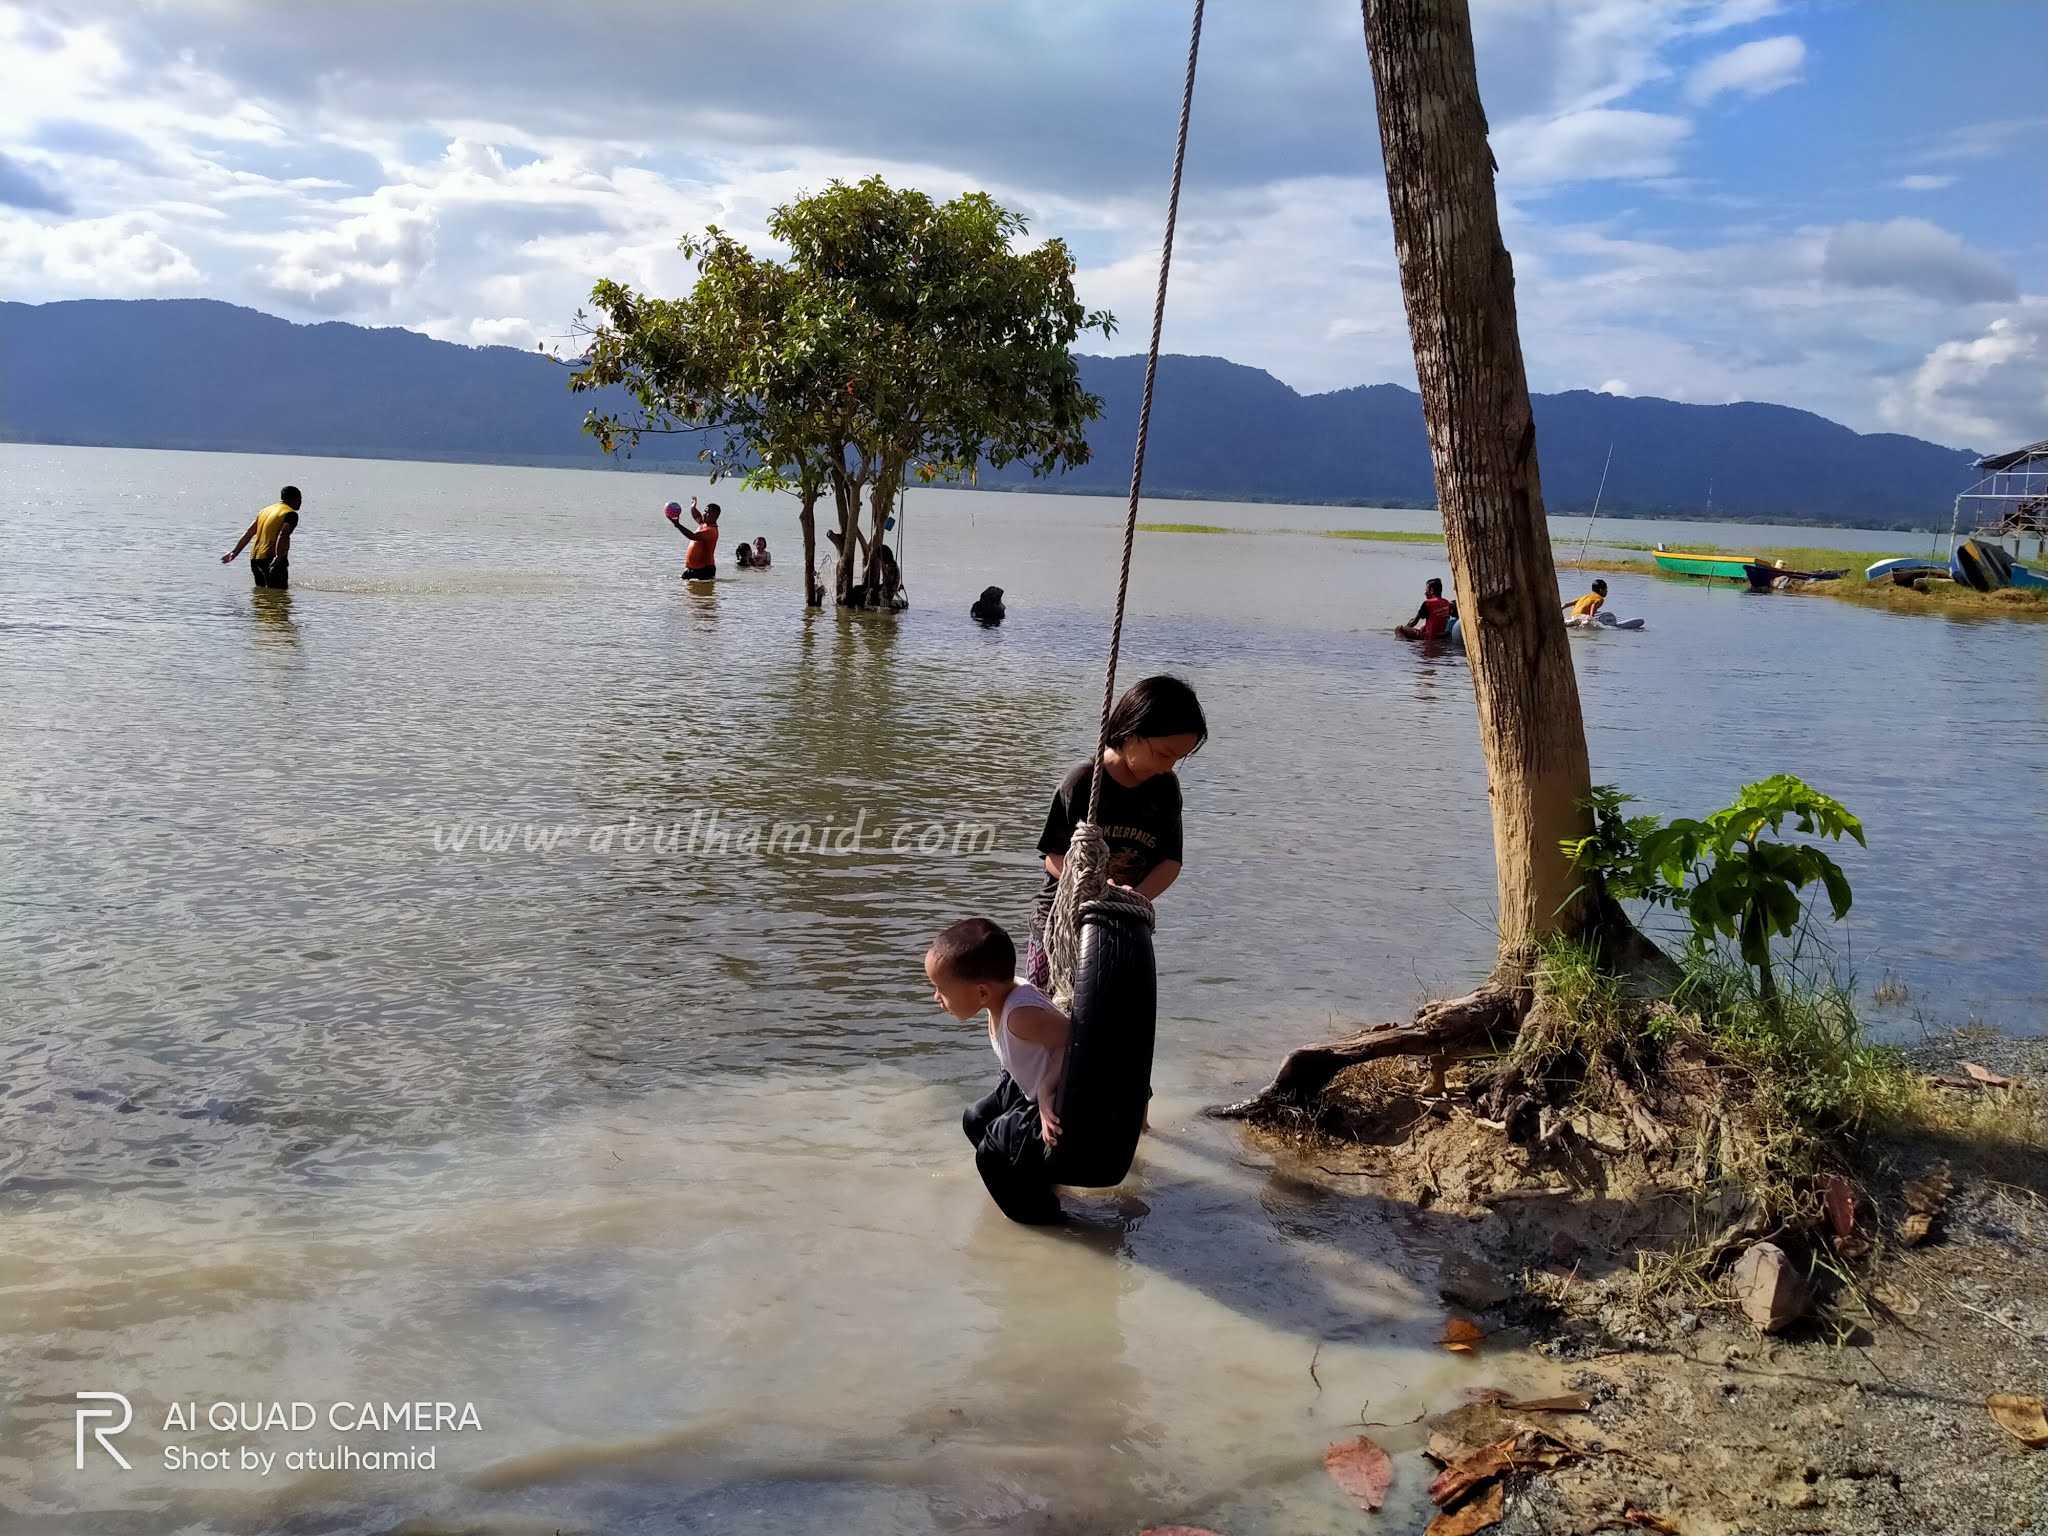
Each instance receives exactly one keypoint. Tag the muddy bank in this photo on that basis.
(1868, 1414)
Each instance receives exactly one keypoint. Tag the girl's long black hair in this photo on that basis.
(1158, 706)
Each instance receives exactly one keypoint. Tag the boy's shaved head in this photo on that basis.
(975, 949)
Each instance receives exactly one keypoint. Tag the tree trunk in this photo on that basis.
(1460, 290)
(1459, 287)
(846, 502)
(814, 590)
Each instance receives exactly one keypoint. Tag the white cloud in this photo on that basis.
(1601, 144)
(1923, 183)
(360, 264)
(1615, 387)
(285, 156)
(1990, 391)
(1916, 256)
(125, 256)
(1754, 69)
(1982, 141)
(504, 331)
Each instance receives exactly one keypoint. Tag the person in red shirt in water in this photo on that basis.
(1432, 620)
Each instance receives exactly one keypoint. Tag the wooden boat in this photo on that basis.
(1906, 570)
(1714, 567)
(1762, 578)
(2026, 576)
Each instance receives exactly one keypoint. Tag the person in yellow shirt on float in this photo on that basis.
(269, 540)
(1585, 611)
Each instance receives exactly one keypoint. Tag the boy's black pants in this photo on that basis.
(1011, 1156)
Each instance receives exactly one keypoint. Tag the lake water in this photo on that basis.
(652, 1154)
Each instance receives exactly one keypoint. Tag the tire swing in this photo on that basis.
(1099, 938)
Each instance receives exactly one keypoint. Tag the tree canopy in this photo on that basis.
(899, 337)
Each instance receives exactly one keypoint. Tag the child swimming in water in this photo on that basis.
(1154, 726)
(1585, 611)
(972, 969)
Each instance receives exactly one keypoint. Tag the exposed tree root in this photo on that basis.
(1440, 1029)
(1488, 1016)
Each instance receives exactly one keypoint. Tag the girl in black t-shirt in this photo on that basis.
(1154, 726)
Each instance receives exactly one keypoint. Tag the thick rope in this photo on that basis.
(1084, 876)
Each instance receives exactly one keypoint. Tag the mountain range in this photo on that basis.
(200, 374)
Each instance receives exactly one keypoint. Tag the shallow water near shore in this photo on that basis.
(409, 996)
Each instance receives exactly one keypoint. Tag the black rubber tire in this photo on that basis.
(1108, 1075)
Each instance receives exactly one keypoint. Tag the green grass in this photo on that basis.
(1381, 535)
(1376, 535)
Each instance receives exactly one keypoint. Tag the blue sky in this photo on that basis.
(1839, 205)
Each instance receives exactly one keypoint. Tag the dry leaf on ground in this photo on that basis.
(1475, 1514)
(1472, 1469)
(1446, 1448)
(1570, 1402)
(1361, 1469)
(1840, 1201)
(1985, 1075)
(1926, 1198)
(1650, 1521)
(1460, 1336)
(2024, 1418)
(1895, 1299)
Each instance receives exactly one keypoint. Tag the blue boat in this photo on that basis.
(1906, 569)
(1981, 565)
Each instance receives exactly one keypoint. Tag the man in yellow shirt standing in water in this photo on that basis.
(269, 540)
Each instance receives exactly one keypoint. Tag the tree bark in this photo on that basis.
(811, 490)
(1459, 287)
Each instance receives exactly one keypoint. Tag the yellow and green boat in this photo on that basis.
(1713, 567)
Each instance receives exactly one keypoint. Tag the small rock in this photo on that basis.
(1770, 1291)
(1685, 1322)
(1466, 1282)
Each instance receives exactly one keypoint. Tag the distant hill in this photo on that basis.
(195, 373)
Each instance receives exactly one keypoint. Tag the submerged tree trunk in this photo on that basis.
(1459, 287)
(811, 489)
(1460, 290)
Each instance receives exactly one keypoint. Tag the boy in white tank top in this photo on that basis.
(972, 968)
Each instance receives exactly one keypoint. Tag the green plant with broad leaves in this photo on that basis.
(1732, 875)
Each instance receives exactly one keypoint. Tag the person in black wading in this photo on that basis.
(1153, 727)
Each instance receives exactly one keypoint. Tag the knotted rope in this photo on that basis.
(1085, 874)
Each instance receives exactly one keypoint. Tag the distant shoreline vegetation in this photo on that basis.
(694, 470)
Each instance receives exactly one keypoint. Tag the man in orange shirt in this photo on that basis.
(700, 559)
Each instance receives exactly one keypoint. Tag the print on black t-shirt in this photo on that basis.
(1142, 826)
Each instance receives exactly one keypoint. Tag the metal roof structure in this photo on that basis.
(2011, 500)
(1998, 463)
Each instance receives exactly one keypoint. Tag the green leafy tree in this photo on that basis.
(900, 338)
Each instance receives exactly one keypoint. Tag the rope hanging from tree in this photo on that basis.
(1084, 875)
